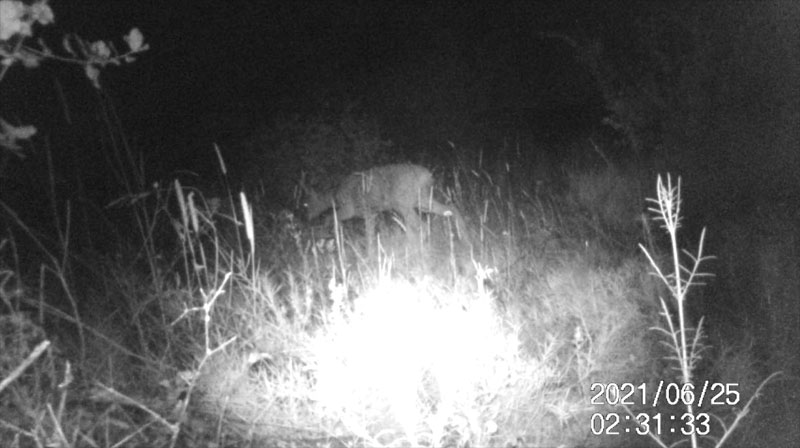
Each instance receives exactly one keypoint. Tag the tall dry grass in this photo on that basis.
(256, 328)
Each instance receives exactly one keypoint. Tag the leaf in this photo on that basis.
(66, 45)
(41, 12)
(135, 39)
(17, 132)
(44, 48)
(29, 60)
(93, 73)
(11, 22)
(100, 49)
(9, 134)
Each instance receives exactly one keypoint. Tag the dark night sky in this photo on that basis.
(251, 58)
(427, 71)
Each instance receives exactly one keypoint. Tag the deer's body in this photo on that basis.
(403, 188)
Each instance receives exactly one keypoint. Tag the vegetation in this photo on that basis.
(222, 319)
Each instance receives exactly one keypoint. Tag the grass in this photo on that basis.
(250, 328)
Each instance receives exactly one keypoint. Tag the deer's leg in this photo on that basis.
(413, 224)
(369, 231)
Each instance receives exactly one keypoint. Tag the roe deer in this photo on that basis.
(400, 188)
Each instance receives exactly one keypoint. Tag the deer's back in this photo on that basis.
(390, 187)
